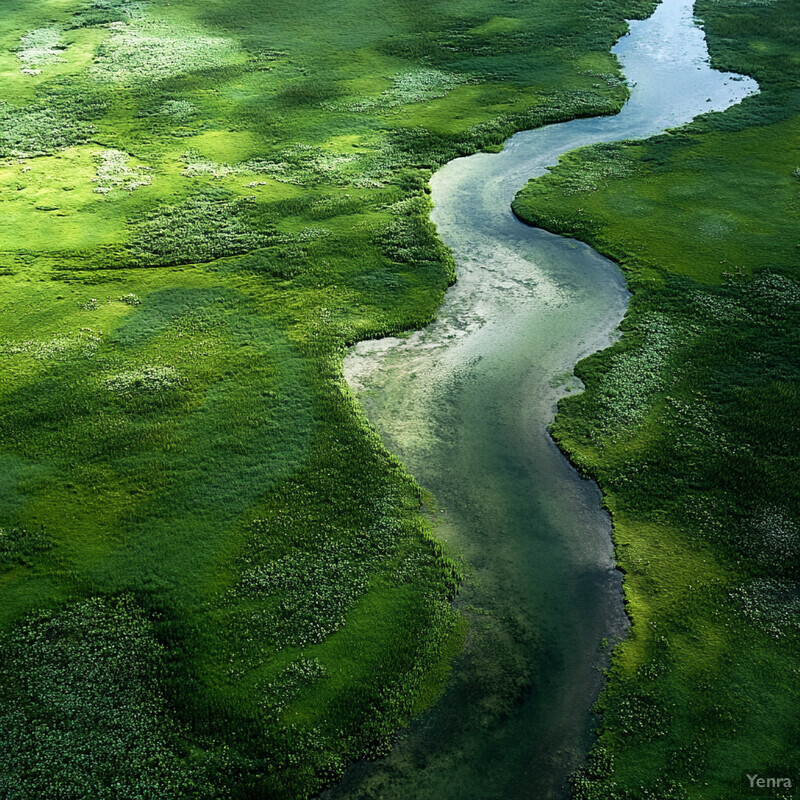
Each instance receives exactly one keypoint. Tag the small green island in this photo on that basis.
(216, 578)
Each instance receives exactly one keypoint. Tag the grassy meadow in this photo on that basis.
(215, 581)
(690, 424)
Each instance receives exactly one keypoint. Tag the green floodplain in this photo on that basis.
(216, 582)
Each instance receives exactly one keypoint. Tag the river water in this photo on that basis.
(466, 403)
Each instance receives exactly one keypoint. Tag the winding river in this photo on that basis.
(466, 403)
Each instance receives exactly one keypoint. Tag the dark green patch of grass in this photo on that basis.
(83, 710)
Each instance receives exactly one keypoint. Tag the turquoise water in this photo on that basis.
(466, 404)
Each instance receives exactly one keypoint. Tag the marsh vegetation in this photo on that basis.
(216, 581)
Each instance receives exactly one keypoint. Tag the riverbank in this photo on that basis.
(689, 425)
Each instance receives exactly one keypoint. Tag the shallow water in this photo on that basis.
(466, 403)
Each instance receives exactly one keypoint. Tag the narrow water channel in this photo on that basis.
(466, 404)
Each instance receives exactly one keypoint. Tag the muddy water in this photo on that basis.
(466, 404)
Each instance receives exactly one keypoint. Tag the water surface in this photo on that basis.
(466, 403)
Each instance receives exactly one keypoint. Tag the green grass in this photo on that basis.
(690, 424)
(214, 578)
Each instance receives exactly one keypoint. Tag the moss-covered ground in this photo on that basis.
(690, 423)
(214, 580)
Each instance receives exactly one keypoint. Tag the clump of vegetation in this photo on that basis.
(146, 380)
(104, 12)
(608, 162)
(411, 237)
(279, 693)
(315, 589)
(198, 165)
(114, 172)
(772, 539)
(772, 605)
(415, 86)
(38, 48)
(57, 347)
(43, 127)
(636, 374)
(179, 110)
(305, 165)
(421, 85)
(204, 227)
(83, 712)
(148, 50)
